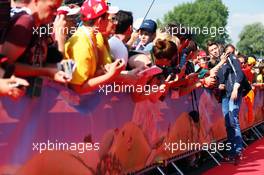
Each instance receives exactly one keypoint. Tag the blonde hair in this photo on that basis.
(166, 36)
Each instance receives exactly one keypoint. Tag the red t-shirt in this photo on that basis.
(20, 30)
(23, 33)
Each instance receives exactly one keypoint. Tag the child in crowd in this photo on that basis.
(147, 33)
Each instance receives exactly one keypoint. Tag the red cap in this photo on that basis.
(92, 9)
(202, 53)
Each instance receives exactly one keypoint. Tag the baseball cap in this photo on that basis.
(92, 9)
(149, 26)
(202, 53)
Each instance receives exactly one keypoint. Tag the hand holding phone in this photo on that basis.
(15, 82)
(16, 85)
(224, 57)
(67, 66)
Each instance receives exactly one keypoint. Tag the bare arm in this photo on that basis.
(91, 84)
(23, 70)
(133, 38)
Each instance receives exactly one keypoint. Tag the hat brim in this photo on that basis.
(112, 10)
(147, 29)
(68, 11)
(74, 11)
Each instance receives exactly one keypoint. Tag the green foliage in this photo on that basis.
(252, 40)
(206, 15)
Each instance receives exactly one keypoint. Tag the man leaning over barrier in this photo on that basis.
(26, 50)
(88, 47)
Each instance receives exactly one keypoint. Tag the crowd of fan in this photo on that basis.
(106, 48)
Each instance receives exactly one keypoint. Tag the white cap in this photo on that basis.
(137, 23)
(112, 9)
(69, 11)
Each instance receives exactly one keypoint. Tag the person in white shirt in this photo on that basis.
(123, 32)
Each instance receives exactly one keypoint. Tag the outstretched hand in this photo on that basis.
(7, 87)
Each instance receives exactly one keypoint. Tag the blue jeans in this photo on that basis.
(230, 110)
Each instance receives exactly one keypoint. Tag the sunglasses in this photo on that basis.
(113, 19)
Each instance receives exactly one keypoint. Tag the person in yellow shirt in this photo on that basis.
(89, 48)
(250, 97)
(104, 49)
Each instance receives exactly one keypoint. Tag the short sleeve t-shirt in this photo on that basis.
(118, 49)
(89, 51)
(23, 33)
(20, 32)
(83, 52)
(248, 73)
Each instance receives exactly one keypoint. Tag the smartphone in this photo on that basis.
(67, 66)
(16, 85)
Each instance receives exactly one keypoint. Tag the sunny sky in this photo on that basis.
(241, 12)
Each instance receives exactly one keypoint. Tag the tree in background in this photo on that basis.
(252, 40)
(206, 15)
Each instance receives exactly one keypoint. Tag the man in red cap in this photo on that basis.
(89, 48)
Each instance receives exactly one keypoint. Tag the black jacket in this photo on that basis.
(229, 74)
